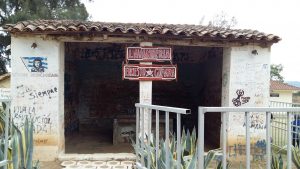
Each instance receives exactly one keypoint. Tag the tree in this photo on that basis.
(221, 21)
(13, 11)
(276, 72)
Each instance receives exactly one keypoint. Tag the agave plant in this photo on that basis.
(277, 162)
(22, 147)
(220, 165)
(188, 153)
(296, 156)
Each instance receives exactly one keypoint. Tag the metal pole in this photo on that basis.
(142, 135)
(178, 141)
(247, 114)
(289, 145)
(157, 138)
(137, 132)
(268, 137)
(167, 129)
(149, 114)
(224, 140)
(200, 138)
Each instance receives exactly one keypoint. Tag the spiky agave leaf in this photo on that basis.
(21, 145)
(29, 144)
(228, 165)
(296, 156)
(208, 158)
(193, 140)
(188, 144)
(192, 164)
(277, 162)
(15, 151)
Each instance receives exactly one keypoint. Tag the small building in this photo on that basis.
(282, 92)
(4, 87)
(5, 80)
(67, 77)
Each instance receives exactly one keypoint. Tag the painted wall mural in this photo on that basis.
(35, 64)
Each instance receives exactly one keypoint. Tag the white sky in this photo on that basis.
(279, 17)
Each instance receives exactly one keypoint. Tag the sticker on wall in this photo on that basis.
(35, 64)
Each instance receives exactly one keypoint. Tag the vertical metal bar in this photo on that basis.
(157, 137)
(200, 138)
(167, 129)
(149, 115)
(224, 140)
(247, 114)
(137, 133)
(142, 113)
(289, 152)
(178, 141)
(142, 125)
(6, 130)
(268, 137)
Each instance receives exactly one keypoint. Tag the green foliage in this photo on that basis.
(296, 156)
(220, 165)
(20, 149)
(188, 152)
(12, 11)
(277, 162)
(276, 72)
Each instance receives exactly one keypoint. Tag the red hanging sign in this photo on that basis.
(149, 54)
(149, 72)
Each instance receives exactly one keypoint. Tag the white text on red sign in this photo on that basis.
(149, 54)
(151, 72)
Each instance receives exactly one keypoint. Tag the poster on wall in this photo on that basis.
(149, 72)
(35, 64)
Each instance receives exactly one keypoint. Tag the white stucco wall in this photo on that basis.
(248, 74)
(284, 96)
(36, 94)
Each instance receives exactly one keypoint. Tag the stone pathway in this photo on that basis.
(88, 165)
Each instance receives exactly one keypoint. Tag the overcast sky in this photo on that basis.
(271, 16)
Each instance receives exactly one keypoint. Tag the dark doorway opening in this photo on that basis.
(99, 105)
(199, 84)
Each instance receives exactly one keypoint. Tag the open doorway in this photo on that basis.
(99, 105)
(199, 84)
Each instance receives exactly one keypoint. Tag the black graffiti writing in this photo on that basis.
(22, 90)
(108, 53)
(256, 122)
(21, 112)
(42, 123)
(240, 99)
(44, 93)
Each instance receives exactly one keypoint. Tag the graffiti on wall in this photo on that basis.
(30, 93)
(258, 150)
(42, 122)
(35, 64)
(240, 98)
(256, 122)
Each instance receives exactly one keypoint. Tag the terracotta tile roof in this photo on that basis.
(4, 76)
(277, 85)
(61, 26)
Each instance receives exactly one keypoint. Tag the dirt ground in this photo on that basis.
(50, 165)
(93, 142)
